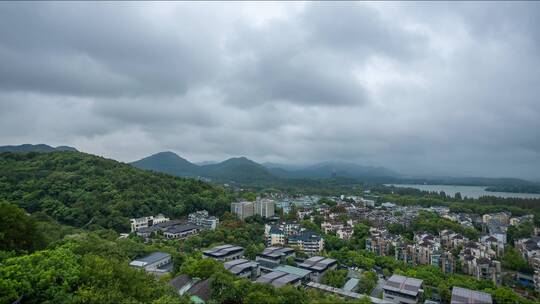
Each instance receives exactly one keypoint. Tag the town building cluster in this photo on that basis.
(150, 226)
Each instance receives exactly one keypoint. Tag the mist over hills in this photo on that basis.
(242, 169)
(245, 171)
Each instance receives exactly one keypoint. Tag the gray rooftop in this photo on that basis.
(149, 259)
(276, 252)
(240, 265)
(223, 250)
(278, 278)
(466, 296)
(402, 284)
(182, 228)
(317, 263)
(293, 270)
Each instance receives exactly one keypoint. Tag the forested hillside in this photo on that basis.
(81, 189)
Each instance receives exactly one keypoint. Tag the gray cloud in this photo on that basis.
(422, 88)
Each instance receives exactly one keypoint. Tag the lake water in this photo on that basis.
(468, 191)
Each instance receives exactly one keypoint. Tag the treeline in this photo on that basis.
(81, 189)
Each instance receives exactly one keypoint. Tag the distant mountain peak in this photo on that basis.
(167, 162)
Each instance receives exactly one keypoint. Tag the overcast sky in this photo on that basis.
(420, 88)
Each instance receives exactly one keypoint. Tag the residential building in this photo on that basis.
(304, 212)
(536, 279)
(157, 263)
(147, 221)
(529, 248)
(482, 268)
(497, 229)
(494, 243)
(402, 290)
(274, 235)
(381, 242)
(201, 218)
(147, 232)
(450, 239)
(462, 295)
(264, 207)
(181, 231)
(502, 217)
(271, 257)
(308, 241)
(243, 268)
(242, 210)
(224, 253)
(318, 266)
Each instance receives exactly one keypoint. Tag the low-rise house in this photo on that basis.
(308, 241)
(400, 290)
(462, 295)
(157, 263)
(181, 231)
(318, 266)
(451, 239)
(498, 230)
(380, 241)
(529, 248)
(502, 217)
(274, 235)
(304, 212)
(345, 233)
(493, 243)
(199, 290)
(536, 280)
(482, 268)
(243, 268)
(279, 279)
(170, 229)
(516, 221)
(202, 219)
(272, 257)
(224, 253)
(147, 221)
(444, 260)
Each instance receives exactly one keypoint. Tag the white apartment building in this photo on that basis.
(147, 221)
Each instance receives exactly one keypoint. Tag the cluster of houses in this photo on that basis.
(273, 266)
(149, 226)
(475, 258)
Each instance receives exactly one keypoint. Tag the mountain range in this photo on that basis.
(242, 169)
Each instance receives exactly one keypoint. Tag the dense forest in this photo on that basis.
(81, 189)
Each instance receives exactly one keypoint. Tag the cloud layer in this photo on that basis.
(422, 88)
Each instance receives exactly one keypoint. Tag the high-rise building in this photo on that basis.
(264, 207)
(242, 209)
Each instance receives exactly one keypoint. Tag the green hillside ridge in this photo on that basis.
(42, 148)
(80, 189)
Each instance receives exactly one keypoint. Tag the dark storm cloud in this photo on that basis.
(431, 88)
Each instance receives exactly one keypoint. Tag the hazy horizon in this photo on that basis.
(445, 89)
